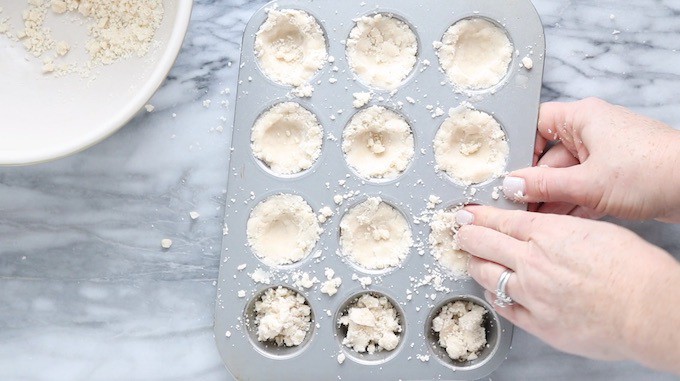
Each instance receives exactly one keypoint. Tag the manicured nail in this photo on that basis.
(514, 188)
(463, 217)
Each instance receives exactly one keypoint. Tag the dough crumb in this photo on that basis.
(324, 214)
(166, 243)
(372, 325)
(381, 50)
(341, 358)
(330, 287)
(149, 108)
(290, 46)
(282, 316)
(528, 63)
(362, 99)
(475, 53)
(461, 330)
(194, 215)
(304, 91)
(283, 230)
(374, 235)
(304, 280)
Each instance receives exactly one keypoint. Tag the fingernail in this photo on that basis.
(514, 188)
(463, 217)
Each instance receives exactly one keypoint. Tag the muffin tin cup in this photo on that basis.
(513, 103)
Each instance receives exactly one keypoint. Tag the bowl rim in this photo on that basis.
(112, 125)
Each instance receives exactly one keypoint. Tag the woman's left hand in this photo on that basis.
(585, 287)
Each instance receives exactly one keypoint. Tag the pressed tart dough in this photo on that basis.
(378, 143)
(290, 46)
(471, 146)
(283, 230)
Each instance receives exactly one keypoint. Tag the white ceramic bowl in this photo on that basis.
(45, 117)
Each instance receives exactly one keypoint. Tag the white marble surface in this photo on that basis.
(86, 293)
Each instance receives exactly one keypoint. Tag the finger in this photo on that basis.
(515, 314)
(561, 208)
(541, 184)
(517, 224)
(490, 244)
(487, 275)
(558, 156)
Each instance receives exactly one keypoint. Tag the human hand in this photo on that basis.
(606, 161)
(584, 287)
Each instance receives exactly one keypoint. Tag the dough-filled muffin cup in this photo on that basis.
(382, 50)
(377, 358)
(476, 54)
(491, 324)
(269, 348)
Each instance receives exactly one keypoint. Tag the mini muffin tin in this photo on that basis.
(418, 298)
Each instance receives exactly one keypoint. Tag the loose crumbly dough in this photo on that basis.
(444, 246)
(283, 229)
(461, 330)
(374, 235)
(287, 138)
(290, 46)
(475, 53)
(372, 325)
(382, 50)
(283, 317)
(117, 29)
(378, 143)
(471, 146)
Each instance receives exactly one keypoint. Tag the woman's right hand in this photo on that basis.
(605, 160)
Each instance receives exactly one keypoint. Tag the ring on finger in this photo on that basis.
(502, 298)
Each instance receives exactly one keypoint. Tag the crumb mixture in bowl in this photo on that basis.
(460, 326)
(443, 244)
(378, 143)
(475, 54)
(117, 29)
(290, 46)
(282, 316)
(372, 325)
(374, 235)
(283, 230)
(287, 138)
(471, 147)
(382, 50)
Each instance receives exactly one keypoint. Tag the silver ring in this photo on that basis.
(502, 298)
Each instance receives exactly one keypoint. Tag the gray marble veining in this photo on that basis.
(86, 293)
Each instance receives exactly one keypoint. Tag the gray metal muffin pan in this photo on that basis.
(514, 103)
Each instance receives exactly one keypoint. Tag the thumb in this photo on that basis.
(543, 184)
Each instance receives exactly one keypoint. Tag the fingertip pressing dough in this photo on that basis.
(372, 325)
(290, 46)
(282, 316)
(287, 138)
(374, 235)
(471, 146)
(378, 143)
(283, 230)
(443, 244)
(461, 330)
(475, 53)
(382, 50)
